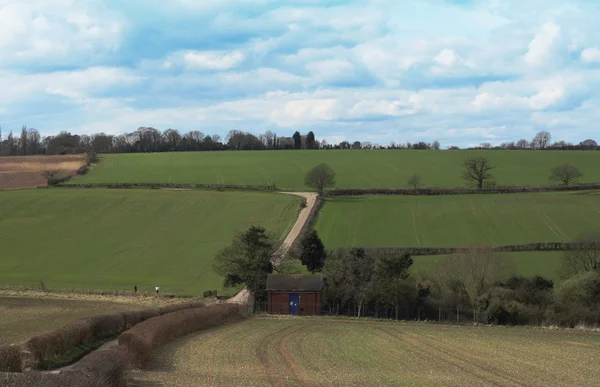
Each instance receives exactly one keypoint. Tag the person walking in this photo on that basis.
(135, 288)
(157, 289)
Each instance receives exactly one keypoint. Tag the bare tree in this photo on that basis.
(320, 177)
(477, 169)
(435, 145)
(565, 174)
(468, 275)
(485, 145)
(415, 181)
(522, 144)
(584, 257)
(541, 140)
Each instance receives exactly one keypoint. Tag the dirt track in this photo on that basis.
(243, 297)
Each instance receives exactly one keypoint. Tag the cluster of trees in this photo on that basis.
(473, 286)
(478, 170)
(541, 141)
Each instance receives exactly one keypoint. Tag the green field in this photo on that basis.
(529, 264)
(21, 318)
(115, 239)
(355, 169)
(457, 221)
(336, 352)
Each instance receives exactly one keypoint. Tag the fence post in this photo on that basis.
(439, 314)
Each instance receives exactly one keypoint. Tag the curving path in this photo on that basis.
(243, 297)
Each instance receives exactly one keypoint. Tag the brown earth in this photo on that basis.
(26, 171)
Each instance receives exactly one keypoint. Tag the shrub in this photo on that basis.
(10, 359)
(140, 339)
(82, 170)
(177, 307)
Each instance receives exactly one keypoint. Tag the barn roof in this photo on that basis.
(295, 282)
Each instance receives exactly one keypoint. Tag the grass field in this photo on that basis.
(334, 352)
(355, 169)
(457, 221)
(543, 263)
(22, 318)
(115, 239)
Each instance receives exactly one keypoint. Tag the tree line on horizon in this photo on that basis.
(151, 140)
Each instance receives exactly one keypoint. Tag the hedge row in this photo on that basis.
(308, 225)
(458, 191)
(102, 368)
(10, 358)
(173, 186)
(415, 251)
(60, 341)
(141, 339)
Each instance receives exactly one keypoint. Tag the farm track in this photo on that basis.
(244, 296)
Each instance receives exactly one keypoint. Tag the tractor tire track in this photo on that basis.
(287, 359)
(262, 353)
(467, 366)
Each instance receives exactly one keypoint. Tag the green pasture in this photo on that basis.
(115, 239)
(457, 221)
(526, 264)
(354, 168)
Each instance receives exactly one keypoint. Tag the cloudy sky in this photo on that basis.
(461, 72)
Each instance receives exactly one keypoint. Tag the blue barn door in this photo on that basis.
(293, 303)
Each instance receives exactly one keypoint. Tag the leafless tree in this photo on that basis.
(415, 181)
(468, 275)
(585, 257)
(477, 169)
(320, 177)
(541, 140)
(435, 145)
(522, 144)
(485, 145)
(565, 174)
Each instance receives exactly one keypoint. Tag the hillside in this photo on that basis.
(355, 169)
(115, 239)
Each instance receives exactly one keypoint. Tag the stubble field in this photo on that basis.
(335, 352)
(355, 169)
(103, 239)
(21, 317)
(26, 171)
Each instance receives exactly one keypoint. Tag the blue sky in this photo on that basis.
(461, 72)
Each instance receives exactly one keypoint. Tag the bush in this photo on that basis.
(140, 339)
(82, 170)
(177, 307)
(10, 359)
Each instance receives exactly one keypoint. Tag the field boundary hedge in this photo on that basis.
(308, 225)
(45, 346)
(218, 187)
(416, 251)
(457, 191)
(141, 339)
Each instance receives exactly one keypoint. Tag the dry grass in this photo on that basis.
(26, 171)
(333, 352)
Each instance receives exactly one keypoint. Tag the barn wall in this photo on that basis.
(310, 303)
(278, 303)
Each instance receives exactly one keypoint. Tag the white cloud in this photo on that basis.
(213, 60)
(590, 55)
(540, 48)
(446, 57)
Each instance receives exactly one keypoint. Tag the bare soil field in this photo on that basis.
(270, 351)
(26, 171)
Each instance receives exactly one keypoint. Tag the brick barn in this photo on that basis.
(295, 294)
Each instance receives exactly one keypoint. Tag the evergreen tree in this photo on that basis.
(297, 140)
(313, 252)
(23, 141)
